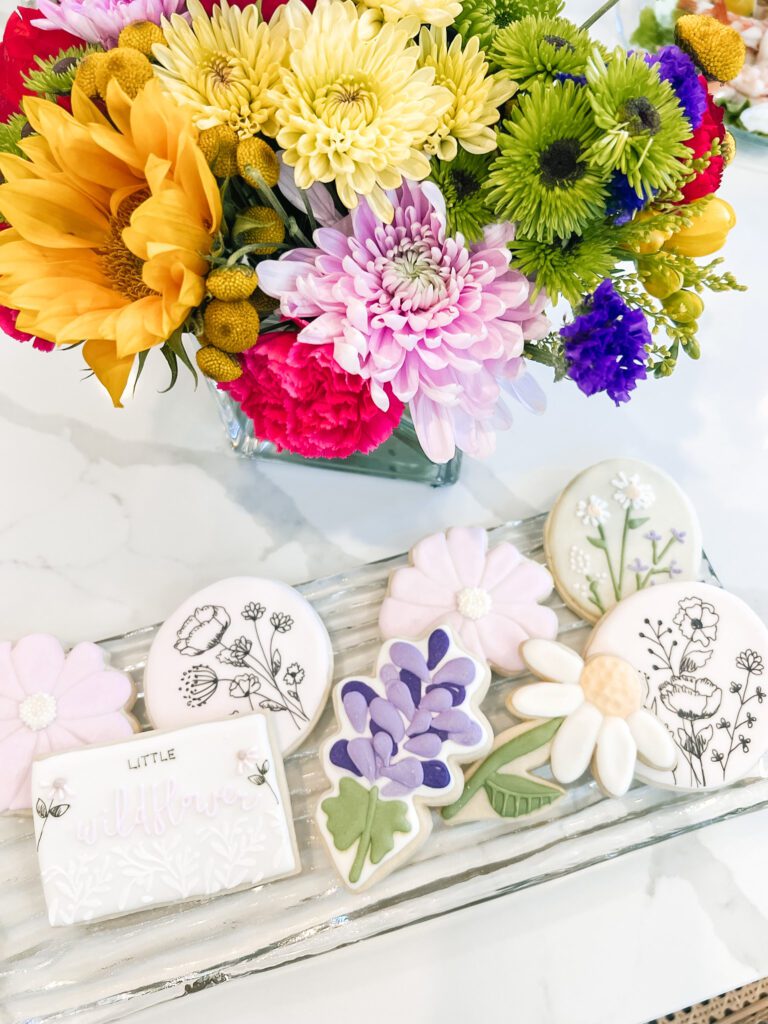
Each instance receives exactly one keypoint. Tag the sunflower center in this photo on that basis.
(559, 43)
(640, 116)
(120, 265)
(560, 163)
(348, 102)
(412, 275)
(612, 685)
(38, 711)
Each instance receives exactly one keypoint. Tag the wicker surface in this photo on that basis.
(746, 1005)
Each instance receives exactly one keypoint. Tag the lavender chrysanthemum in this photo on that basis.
(409, 306)
(678, 69)
(101, 21)
(606, 345)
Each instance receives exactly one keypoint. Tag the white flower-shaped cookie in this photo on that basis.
(601, 700)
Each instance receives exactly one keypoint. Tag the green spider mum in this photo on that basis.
(568, 268)
(541, 178)
(642, 122)
(55, 76)
(461, 181)
(538, 48)
(11, 134)
(486, 18)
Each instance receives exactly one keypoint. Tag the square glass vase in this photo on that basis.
(400, 457)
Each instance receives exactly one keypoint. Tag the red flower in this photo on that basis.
(8, 324)
(711, 128)
(268, 7)
(299, 398)
(21, 43)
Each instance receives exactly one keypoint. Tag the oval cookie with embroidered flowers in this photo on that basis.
(618, 527)
(702, 654)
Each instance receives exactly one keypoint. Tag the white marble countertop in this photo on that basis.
(108, 519)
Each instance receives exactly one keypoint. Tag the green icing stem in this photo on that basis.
(517, 747)
(365, 839)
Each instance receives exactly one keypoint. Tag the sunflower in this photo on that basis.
(354, 107)
(541, 178)
(223, 66)
(570, 267)
(476, 94)
(539, 49)
(461, 181)
(111, 220)
(643, 128)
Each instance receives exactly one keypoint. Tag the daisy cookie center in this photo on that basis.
(474, 603)
(38, 711)
(612, 685)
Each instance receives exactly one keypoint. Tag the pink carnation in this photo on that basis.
(301, 399)
(416, 311)
(8, 325)
(101, 21)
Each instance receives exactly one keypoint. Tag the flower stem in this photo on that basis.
(597, 15)
(365, 839)
(623, 555)
(603, 538)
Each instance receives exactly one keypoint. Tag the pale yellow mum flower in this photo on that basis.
(223, 66)
(476, 95)
(427, 12)
(353, 106)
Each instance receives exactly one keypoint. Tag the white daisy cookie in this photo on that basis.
(604, 722)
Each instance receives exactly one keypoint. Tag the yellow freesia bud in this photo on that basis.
(684, 307)
(707, 233)
(663, 283)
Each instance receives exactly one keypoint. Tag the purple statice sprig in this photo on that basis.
(677, 68)
(401, 736)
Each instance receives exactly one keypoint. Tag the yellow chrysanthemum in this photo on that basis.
(354, 107)
(440, 13)
(476, 94)
(111, 221)
(223, 66)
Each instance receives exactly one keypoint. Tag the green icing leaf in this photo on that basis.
(512, 796)
(597, 542)
(634, 524)
(358, 815)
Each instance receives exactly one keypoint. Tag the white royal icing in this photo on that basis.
(703, 655)
(240, 645)
(618, 527)
(163, 817)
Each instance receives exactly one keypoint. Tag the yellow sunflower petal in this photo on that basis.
(112, 370)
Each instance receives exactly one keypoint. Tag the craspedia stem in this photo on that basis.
(597, 15)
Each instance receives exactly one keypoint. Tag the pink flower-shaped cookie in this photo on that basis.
(489, 598)
(52, 701)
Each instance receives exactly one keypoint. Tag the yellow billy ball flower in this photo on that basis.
(718, 49)
(263, 303)
(260, 225)
(232, 283)
(126, 66)
(141, 36)
(256, 159)
(231, 326)
(218, 365)
(476, 94)
(219, 144)
(354, 107)
(85, 76)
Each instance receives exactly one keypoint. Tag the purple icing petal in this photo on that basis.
(407, 773)
(469, 737)
(436, 775)
(458, 693)
(356, 710)
(437, 647)
(388, 717)
(420, 722)
(413, 683)
(400, 695)
(453, 722)
(361, 752)
(437, 698)
(457, 670)
(428, 744)
(340, 757)
(383, 747)
(389, 672)
(356, 686)
(409, 657)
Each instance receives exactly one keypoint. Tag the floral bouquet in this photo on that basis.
(357, 209)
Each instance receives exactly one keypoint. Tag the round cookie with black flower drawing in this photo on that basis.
(619, 527)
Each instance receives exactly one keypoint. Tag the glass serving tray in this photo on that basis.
(104, 971)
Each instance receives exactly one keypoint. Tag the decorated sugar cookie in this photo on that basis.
(619, 527)
(243, 644)
(52, 701)
(599, 704)
(401, 736)
(491, 599)
(703, 654)
(166, 816)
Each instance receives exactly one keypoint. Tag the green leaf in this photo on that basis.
(58, 810)
(41, 809)
(176, 345)
(173, 365)
(140, 366)
(358, 815)
(598, 542)
(512, 796)
(634, 524)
